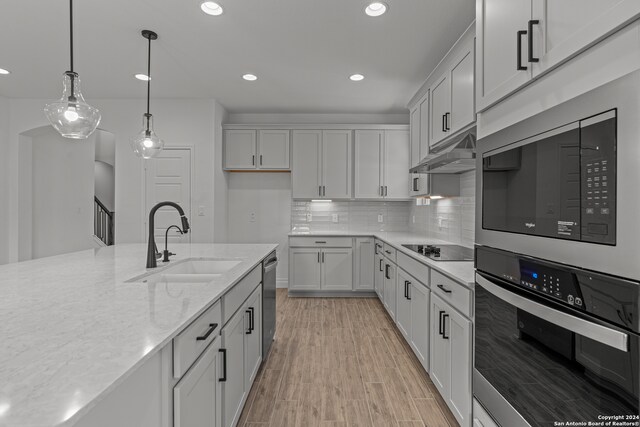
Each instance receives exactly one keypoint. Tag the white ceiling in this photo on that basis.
(302, 51)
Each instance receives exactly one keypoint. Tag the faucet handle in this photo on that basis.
(167, 254)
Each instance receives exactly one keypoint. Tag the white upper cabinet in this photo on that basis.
(396, 164)
(382, 160)
(567, 26)
(518, 40)
(322, 164)
(462, 91)
(239, 149)
(336, 164)
(440, 106)
(273, 149)
(368, 165)
(499, 38)
(306, 164)
(414, 129)
(255, 150)
(424, 127)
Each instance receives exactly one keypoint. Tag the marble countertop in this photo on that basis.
(460, 271)
(73, 329)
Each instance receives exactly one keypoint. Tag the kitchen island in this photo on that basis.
(75, 329)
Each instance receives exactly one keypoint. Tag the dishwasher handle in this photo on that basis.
(271, 265)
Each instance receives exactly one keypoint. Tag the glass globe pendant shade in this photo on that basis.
(71, 116)
(147, 144)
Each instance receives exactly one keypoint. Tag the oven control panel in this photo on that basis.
(556, 283)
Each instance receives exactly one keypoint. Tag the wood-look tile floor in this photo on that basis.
(341, 362)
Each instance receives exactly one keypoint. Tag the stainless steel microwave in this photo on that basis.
(565, 184)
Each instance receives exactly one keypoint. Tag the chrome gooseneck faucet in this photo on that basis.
(152, 248)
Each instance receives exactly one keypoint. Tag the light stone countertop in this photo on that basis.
(72, 329)
(460, 271)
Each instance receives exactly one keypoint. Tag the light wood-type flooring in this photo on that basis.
(341, 362)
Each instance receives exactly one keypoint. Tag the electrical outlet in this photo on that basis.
(200, 210)
(380, 218)
(334, 217)
(309, 217)
(440, 221)
(252, 217)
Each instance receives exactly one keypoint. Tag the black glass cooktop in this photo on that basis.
(443, 252)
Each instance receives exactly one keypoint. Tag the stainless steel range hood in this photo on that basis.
(458, 156)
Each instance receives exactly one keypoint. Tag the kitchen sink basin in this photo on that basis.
(189, 271)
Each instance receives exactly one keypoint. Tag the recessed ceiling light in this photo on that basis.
(376, 9)
(3, 71)
(211, 8)
(356, 77)
(250, 77)
(142, 77)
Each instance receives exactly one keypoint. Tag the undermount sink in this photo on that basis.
(189, 271)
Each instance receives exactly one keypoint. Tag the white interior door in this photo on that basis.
(168, 178)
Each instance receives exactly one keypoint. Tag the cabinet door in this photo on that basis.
(424, 127)
(239, 149)
(336, 164)
(403, 304)
(273, 149)
(396, 164)
(197, 398)
(233, 389)
(379, 276)
(368, 164)
(420, 306)
(458, 329)
(439, 108)
(568, 26)
(304, 269)
(497, 26)
(253, 337)
(365, 260)
(414, 124)
(462, 91)
(390, 288)
(337, 269)
(306, 164)
(440, 348)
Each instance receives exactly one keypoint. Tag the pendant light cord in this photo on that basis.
(149, 77)
(71, 31)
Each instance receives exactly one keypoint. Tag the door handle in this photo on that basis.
(324, 190)
(415, 184)
(446, 121)
(385, 191)
(253, 160)
(406, 292)
(323, 257)
(224, 364)
(260, 159)
(443, 125)
(519, 50)
(248, 331)
(532, 22)
(319, 190)
(251, 325)
(440, 322)
(381, 261)
(212, 327)
(444, 326)
(318, 257)
(409, 290)
(386, 271)
(445, 290)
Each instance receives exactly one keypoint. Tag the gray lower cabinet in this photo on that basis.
(403, 304)
(304, 270)
(322, 264)
(378, 276)
(197, 398)
(337, 269)
(390, 287)
(364, 260)
(420, 308)
(451, 358)
(233, 368)
(253, 337)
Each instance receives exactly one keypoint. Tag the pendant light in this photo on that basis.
(147, 144)
(71, 116)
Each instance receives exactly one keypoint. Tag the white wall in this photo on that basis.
(268, 197)
(180, 122)
(105, 184)
(4, 178)
(56, 194)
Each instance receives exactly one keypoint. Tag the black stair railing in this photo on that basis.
(102, 222)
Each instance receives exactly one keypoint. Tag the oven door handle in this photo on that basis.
(599, 333)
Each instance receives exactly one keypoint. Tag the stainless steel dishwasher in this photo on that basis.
(268, 302)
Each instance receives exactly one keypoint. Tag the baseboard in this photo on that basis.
(282, 283)
(333, 294)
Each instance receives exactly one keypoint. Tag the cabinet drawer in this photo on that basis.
(233, 299)
(452, 292)
(389, 252)
(414, 268)
(192, 341)
(320, 242)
